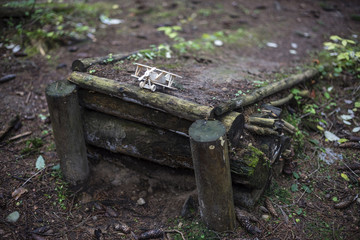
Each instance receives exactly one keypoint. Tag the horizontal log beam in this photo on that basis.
(84, 63)
(263, 92)
(157, 100)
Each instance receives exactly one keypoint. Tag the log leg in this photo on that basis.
(212, 172)
(66, 122)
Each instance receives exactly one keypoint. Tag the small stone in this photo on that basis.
(95, 218)
(218, 43)
(140, 201)
(265, 217)
(13, 217)
(271, 44)
(358, 201)
(224, 89)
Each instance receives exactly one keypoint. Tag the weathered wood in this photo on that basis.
(282, 101)
(137, 140)
(84, 63)
(157, 100)
(233, 121)
(66, 122)
(153, 144)
(260, 130)
(263, 92)
(212, 173)
(133, 112)
(266, 122)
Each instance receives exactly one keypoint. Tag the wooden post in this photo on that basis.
(67, 126)
(209, 151)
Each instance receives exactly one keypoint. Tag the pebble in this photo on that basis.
(358, 201)
(265, 217)
(141, 201)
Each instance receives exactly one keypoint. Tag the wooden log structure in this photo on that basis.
(154, 144)
(67, 127)
(212, 173)
(156, 100)
(84, 63)
(233, 121)
(263, 92)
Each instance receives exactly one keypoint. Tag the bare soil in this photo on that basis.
(116, 184)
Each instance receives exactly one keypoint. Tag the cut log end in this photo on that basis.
(60, 89)
(78, 65)
(206, 131)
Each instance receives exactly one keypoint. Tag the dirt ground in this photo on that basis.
(50, 209)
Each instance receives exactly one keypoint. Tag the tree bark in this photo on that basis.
(84, 63)
(212, 173)
(263, 92)
(66, 122)
(157, 100)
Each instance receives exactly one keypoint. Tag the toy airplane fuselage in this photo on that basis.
(150, 77)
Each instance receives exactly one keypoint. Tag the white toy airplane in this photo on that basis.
(149, 77)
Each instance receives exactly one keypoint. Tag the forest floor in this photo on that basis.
(228, 48)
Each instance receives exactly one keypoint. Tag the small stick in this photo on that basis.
(33, 176)
(20, 136)
(175, 231)
(28, 98)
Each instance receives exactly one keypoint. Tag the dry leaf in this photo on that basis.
(18, 192)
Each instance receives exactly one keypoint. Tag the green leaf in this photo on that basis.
(297, 220)
(314, 141)
(296, 175)
(335, 199)
(294, 188)
(335, 38)
(357, 104)
(344, 43)
(306, 188)
(40, 163)
(327, 95)
(342, 140)
(299, 211)
(344, 176)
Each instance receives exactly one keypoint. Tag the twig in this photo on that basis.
(300, 197)
(28, 98)
(32, 176)
(349, 168)
(175, 231)
(20, 135)
(318, 164)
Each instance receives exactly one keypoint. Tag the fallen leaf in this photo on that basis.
(13, 217)
(344, 176)
(18, 192)
(330, 136)
(40, 163)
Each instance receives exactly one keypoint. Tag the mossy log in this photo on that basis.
(212, 173)
(84, 63)
(150, 143)
(233, 121)
(67, 126)
(133, 112)
(157, 100)
(263, 92)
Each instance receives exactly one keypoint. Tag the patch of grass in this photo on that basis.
(32, 146)
(61, 188)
